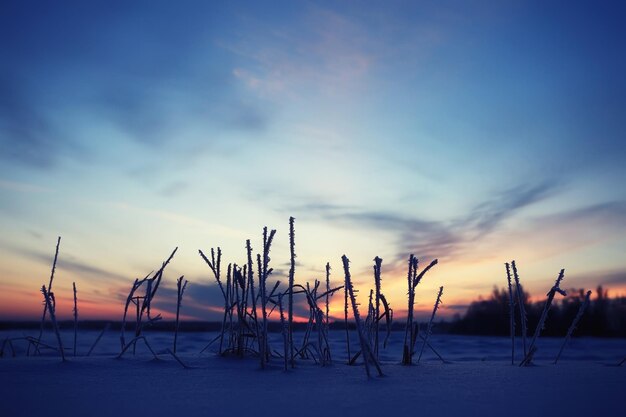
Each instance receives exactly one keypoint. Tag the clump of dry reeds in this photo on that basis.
(366, 349)
(143, 303)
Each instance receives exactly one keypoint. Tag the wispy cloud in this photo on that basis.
(69, 264)
(437, 238)
(23, 187)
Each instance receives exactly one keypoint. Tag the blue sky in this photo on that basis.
(474, 132)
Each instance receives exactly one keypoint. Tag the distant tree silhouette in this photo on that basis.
(605, 317)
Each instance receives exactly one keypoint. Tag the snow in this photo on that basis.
(477, 381)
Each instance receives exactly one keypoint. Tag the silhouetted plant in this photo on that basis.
(48, 289)
(520, 303)
(411, 330)
(143, 304)
(50, 304)
(544, 315)
(572, 327)
(511, 313)
(75, 311)
(292, 269)
(430, 323)
(366, 350)
(180, 290)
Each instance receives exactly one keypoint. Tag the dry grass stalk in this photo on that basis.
(180, 290)
(264, 272)
(366, 350)
(345, 311)
(285, 331)
(511, 313)
(411, 329)
(50, 305)
(430, 323)
(292, 269)
(544, 315)
(572, 327)
(43, 314)
(143, 303)
(327, 320)
(75, 311)
(522, 309)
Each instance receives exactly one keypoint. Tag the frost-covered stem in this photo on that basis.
(377, 265)
(292, 269)
(326, 324)
(263, 342)
(252, 292)
(75, 316)
(49, 303)
(572, 327)
(522, 308)
(544, 316)
(345, 311)
(407, 352)
(511, 313)
(129, 299)
(366, 351)
(430, 323)
(267, 244)
(230, 289)
(180, 286)
(43, 314)
(284, 331)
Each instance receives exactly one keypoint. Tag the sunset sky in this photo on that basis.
(471, 132)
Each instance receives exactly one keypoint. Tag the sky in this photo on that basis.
(471, 132)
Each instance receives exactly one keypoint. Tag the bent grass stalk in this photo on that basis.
(430, 323)
(572, 327)
(544, 315)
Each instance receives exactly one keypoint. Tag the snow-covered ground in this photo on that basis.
(477, 380)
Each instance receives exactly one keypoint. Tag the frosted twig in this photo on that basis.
(292, 269)
(430, 323)
(520, 303)
(43, 314)
(284, 331)
(377, 265)
(180, 290)
(544, 315)
(511, 313)
(49, 300)
(75, 317)
(572, 327)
